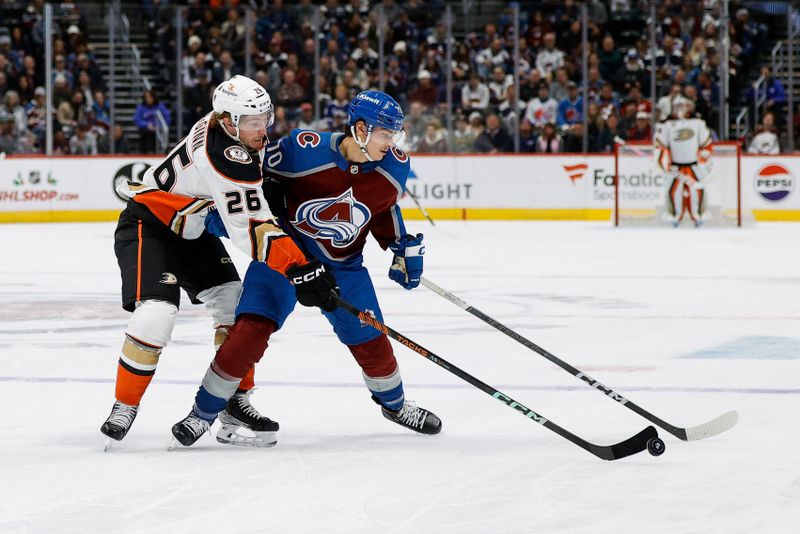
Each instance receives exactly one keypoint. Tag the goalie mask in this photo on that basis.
(681, 107)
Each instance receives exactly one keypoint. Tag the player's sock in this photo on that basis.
(248, 382)
(135, 370)
(380, 371)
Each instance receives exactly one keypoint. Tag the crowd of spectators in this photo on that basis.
(486, 109)
(80, 109)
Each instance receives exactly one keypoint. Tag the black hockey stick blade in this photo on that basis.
(641, 441)
(630, 446)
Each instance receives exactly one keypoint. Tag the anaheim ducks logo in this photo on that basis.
(683, 134)
(237, 154)
(168, 278)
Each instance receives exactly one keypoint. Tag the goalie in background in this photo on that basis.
(683, 151)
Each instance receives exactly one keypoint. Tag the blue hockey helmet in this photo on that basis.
(377, 110)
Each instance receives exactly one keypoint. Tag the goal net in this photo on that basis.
(641, 187)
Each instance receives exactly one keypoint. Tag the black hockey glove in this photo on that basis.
(314, 285)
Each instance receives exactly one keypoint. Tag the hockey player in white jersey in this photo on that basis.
(683, 151)
(162, 246)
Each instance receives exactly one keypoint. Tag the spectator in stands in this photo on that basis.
(475, 95)
(570, 110)
(494, 56)
(121, 145)
(290, 93)
(464, 135)
(60, 69)
(541, 109)
(83, 63)
(527, 137)
(12, 106)
(631, 73)
(765, 141)
(83, 142)
(426, 92)
(9, 141)
(434, 140)
(232, 31)
(198, 100)
(224, 68)
(559, 88)
(146, 119)
(494, 138)
(500, 81)
(36, 113)
(364, 56)
(774, 92)
(628, 119)
(549, 58)
(549, 141)
(306, 119)
(573, 139)
(336, 110)
(100, 106)
(415, 125)
(641, 131)
(608, 131)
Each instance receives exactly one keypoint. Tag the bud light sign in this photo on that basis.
(774, 182)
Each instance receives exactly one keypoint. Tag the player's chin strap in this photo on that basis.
(362, 145)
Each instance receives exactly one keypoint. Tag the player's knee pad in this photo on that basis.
(152, 322)
(221, 301)
(245, 345)
(375, 357)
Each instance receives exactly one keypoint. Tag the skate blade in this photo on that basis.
(107, 444)
(173, 444)
(244, 437)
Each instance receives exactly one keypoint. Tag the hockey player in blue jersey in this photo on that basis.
(329, 191)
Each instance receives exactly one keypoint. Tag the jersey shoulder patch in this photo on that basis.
(231, 159)
(397, 164)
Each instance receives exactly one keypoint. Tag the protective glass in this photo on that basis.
(253, 123)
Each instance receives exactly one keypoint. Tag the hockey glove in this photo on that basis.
(214, 224)
(406, 268)
(314, 285)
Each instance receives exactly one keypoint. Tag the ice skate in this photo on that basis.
(118, 422)
(241, 424)
(189, 430)
(413, 417)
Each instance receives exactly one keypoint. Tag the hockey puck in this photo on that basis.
(656, 447)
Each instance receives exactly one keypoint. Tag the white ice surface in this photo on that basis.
(688, 324)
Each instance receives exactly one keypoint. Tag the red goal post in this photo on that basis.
(640, 186)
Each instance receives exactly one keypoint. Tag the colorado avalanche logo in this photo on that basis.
(339, 219)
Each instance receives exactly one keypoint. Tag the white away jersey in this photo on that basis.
(205, 169)
(683, 138)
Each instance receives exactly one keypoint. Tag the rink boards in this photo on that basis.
(468, 187)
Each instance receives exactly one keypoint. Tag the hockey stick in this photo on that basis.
(646, 439)
(419, 206)
(706, 430)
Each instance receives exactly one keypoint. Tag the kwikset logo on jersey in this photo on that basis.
(774, 182)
